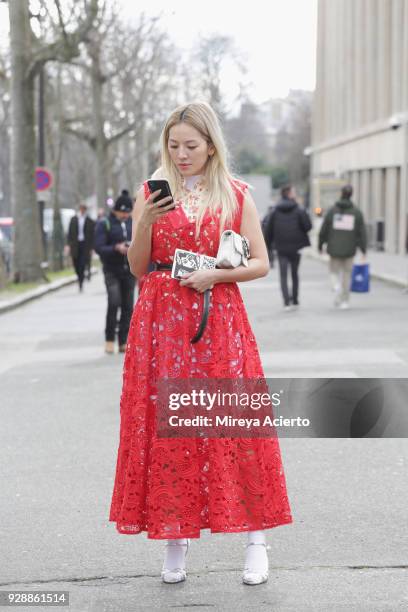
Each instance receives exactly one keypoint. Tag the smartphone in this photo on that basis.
(164, 187)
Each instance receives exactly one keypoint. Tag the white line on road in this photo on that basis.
(343, 357)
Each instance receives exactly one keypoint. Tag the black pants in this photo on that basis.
(80, 262)
(292, 260)
(120, 287)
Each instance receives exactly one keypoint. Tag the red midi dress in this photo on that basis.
(174, 487)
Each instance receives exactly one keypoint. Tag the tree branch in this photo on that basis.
(67, 46)
(81, 135)
(122, 133)
(61, 20)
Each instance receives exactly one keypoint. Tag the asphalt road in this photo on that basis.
(347, 548)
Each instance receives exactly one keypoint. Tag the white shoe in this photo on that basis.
(344, 306)
(287, 308)
(249, 576)
(175, 574)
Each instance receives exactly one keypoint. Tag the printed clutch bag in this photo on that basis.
(188, 261)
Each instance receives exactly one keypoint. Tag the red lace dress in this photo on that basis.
(174, 487)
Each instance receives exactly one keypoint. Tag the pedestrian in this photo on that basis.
(264, 225)
(112, 238)
(287, 227)
(343, 230)
(80, 241)
(172, 488)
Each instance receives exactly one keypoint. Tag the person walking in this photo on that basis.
(80, 241)
(172, 488)
(112, 239)
(264, 225)
(287, 227)
(343, 230)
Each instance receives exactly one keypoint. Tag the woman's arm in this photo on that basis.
(144, 214)
(258, 264)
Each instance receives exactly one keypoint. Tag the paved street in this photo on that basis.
(370, 339)
(347, 548)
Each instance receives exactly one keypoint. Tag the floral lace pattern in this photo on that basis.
(191, 197)
(173, 488)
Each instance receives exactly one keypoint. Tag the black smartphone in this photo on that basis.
(164, 187)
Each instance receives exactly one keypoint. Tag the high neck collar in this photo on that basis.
(191, 182)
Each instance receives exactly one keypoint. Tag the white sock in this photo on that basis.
(256, 558)
(175, 555)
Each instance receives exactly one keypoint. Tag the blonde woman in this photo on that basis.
(172, 488)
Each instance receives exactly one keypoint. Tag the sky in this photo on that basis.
(277, 38)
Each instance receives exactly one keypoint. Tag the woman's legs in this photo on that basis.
(256, 559)
(174, 560)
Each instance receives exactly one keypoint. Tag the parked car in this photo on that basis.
(6, 242)
(6, 232)
(66, 215)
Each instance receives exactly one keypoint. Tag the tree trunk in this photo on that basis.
(100, 139)
(55, 138)
(28, 249)
(3, 273)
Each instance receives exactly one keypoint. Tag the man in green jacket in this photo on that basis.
(343, 230)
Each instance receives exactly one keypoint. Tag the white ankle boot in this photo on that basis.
(255, 573)
(176, 574)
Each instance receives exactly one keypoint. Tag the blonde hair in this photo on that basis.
(218, 178)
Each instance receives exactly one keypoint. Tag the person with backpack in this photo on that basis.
(287, 228)
(112, 238)
(344, 231)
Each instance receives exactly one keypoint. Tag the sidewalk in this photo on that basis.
(8, 302)
(383, 266)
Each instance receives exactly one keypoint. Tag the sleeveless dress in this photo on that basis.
(174, 487)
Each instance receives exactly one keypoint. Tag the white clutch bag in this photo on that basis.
(233, 250)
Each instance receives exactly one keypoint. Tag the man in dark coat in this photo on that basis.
(287, 228)
(112, 238)
(80, 242)
(344, 231)
(264, 225)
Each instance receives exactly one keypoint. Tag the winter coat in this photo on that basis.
(110, 231)
(287, 227)
(72, 237)
(343, 230)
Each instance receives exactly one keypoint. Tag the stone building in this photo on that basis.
(360, 121)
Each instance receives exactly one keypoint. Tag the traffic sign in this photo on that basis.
(43, 178)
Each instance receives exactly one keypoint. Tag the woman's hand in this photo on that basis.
(200, 280)
(154, 210)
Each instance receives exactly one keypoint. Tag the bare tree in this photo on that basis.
(55, 141)
(246, 137)
(130, 76)
(4, 136)
(29, 54)
(294, 137)
(209, 57)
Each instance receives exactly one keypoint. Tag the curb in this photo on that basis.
(381, 276)
(34, 294)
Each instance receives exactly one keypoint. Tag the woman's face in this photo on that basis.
(188, 149)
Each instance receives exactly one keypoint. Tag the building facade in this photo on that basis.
(360, 115)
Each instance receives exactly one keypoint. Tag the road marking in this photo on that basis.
(306, 373)
(343, 357)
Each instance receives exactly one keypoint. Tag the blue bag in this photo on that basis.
(360, 278)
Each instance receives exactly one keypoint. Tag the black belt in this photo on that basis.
(206, 305)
